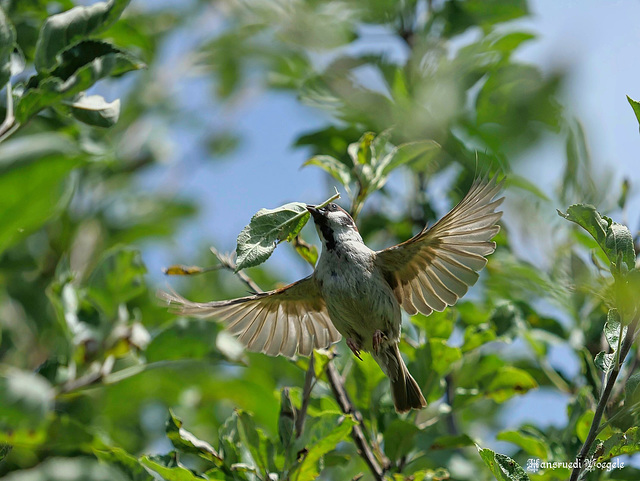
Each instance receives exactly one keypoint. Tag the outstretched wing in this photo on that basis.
(436, 267)
(284, 321)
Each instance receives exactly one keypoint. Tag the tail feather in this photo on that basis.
(405, 391)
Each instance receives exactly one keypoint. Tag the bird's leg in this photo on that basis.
(354, 346)
(378, 337)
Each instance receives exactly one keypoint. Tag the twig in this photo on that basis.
(228, 262)
(604, 397)
(306, 395)
(365, 451)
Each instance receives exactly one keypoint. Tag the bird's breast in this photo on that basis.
(358, 299)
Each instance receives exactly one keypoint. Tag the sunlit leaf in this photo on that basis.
(635, 105)
(186, 442)
(67, 28)
(508, 382)
(82, 66)
(503, 467)
(333, 166)
(621, 443)
(613, 238)
(95, 110)
(167, 467)
(530, 444)
(267, 228)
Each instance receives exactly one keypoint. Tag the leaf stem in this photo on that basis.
(9, 125)
(604, 397)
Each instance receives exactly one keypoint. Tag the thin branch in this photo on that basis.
(604, 398)
(365, 451)
(228, 262)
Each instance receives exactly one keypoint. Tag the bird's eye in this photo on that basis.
(332, 207)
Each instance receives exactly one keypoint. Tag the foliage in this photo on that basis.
(98, 381)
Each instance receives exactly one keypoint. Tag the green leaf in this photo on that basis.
(360, 151)
(476, 336)
(256, 442)
(503, 467)
(424, 151)
(118, 278)
(613, 238)
(286, 419)
(307, 470)
(308, 252)
(452, 442)
(508, 382)
(632, 390)
(186, 442)
(621, 443)
(267, 228)
(95, 110)
(333, 166)
(443, 355)
(167, 467)
(604, 361)
(81, 66)
(398, 438)
(124, 461)
(635, 105)
(26, 399)
(612, 329)
(34, 184)
(530, 444)
(69, 469)
(7, 44)
(68, 28)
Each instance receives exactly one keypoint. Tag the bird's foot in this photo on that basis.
(355, 348)
(378, 338)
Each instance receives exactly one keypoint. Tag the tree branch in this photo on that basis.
(604, 398)
(365, 451)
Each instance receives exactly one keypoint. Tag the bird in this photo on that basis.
(358, 293)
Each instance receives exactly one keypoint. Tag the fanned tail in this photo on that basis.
(404, 389)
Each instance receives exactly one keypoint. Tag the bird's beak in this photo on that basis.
(313, 211)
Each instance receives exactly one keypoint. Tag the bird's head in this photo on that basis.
(334, 225)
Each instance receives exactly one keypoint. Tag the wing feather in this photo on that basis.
(436, 267)
(286, 321)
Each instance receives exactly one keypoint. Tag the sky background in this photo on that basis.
(594, 42)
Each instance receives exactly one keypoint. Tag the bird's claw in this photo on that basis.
(355, 348)
(378, 338)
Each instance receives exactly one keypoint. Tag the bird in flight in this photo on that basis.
(358, 293)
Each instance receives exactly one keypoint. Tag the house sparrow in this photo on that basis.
(358, 293)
